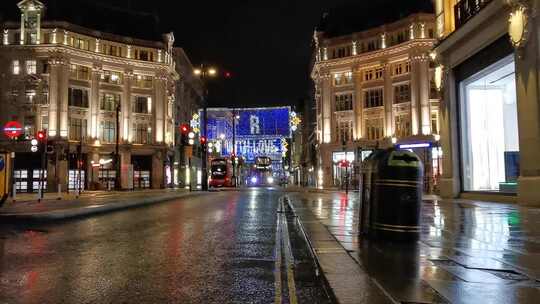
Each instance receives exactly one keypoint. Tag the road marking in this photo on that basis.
(289, 261)
(277, 269)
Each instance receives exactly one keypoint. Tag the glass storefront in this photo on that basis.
(342, 174)
(489, 129)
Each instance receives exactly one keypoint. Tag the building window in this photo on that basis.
(374, 128)
(373, 98)
(343, 102)
(109, 101)
(403, 125)
(113, 50)
(141, 104)
(80, 43)
(16, 67)
(111, 77)
(489, 129)
(402, 93)
(407, 67)
(344, 131)
(30, 96)
(77, 128)
(142, 133)
(342, 78)
(108, 131)
(143, 81)
(368, 75)
(78, 97)
(79, 72)
(379, 73)
(44, 122)
(435, 122)
(31, 67)
(144, 55)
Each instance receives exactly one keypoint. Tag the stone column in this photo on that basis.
(126, 179)
(158, 171)
(415, 94)
(528, 95)
(63, 97)
(358, 105)
(159, 108)
(94, 102)
(125, 122)
(388, 101)
(450, 181)
(424, 114)
(53, 97)
(326, 109)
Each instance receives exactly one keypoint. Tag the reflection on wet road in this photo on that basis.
(468, 252)
(215, 248)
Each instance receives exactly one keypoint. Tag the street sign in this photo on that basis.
(13, 129)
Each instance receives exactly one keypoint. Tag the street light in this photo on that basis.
(205, 72)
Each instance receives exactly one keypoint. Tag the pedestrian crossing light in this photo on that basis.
(202, 140)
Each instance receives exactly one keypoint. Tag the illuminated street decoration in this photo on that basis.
(258, 131)
(195, 123)
(295, 121)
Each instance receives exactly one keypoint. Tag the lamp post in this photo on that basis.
(205, 72)
(235, 117)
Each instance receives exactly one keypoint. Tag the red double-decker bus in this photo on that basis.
(221, 173)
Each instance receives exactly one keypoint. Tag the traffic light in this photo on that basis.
(202, 140)
(184, 131)
(41, 136)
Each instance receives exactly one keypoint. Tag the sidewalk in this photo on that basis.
(469, 252)
(28, 208)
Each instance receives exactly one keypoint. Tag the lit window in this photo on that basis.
(31, 67)
(16, 67)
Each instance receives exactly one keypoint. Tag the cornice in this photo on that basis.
(427, 43)
(60, 49)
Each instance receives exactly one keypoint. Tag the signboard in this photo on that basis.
(264, 122)
(4, 178)
(13, 129)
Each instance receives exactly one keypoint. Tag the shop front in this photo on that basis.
(142, 169)
(490, 131)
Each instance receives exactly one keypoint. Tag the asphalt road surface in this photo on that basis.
(226, 247)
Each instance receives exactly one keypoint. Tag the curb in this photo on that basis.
(320, 273)
(87, 211)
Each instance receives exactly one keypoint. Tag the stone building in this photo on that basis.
(68, 80)
(189, 97)
(488, 65)
(374, 88)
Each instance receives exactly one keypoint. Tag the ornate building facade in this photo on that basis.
(487, 67)
(71, 81)
(373, 89)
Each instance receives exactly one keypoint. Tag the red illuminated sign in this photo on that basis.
(13, 129)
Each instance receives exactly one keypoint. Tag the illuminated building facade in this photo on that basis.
(69, 80)
(488, 71)
(374, 88)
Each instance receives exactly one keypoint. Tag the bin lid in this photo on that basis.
(401, 158)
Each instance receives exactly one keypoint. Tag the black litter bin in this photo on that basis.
(367, 171)
(396, 196)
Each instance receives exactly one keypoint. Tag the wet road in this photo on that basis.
(214, 248)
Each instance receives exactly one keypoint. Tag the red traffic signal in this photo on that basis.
(228, 74)
(41, 135)
(202, 140)
(344, 163)
(184, 128)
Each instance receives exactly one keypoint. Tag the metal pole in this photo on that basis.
(13, 178)
(41, 174)
(117, 150)
(204, 127)
(234, 147)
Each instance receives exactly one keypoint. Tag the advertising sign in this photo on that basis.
(13, 129)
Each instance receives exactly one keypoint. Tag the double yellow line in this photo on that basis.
(283, 250)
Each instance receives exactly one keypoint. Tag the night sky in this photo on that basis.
(266, 45)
